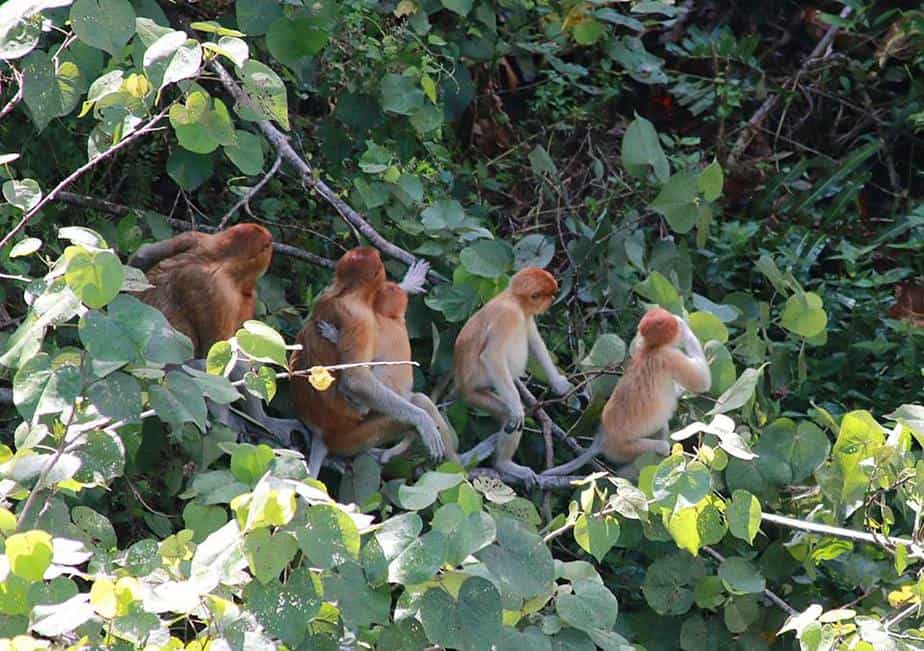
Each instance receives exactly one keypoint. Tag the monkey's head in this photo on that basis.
(249, 247)
(534, 288)
(360, 267)
(659, 328)
(391, 301)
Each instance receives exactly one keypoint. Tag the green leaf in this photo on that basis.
(102, 458)
(710, 181)
(596, 534)
(285, 611)
(19, 29)
(420, 560)
(738, 394)
(212, 27)
(268, 554)
(668, 583)
(261, 343)
(219, 356)
(45, 386)
(707, 327)
(29, 554)
(804, 315)
(709, 593)
(291, 39)
(397, 533)
(466, 533)
(172, 58)
(487, 258)
(540, 162)
(588, 31)
(26, 246)
(470, 623)
(213, 128)
(267, 94)
(519, 561)
(329, 537)
(721, 368)
(246, 152)
(744, 516)
(426, 490)
(104, 24)
(678, 202)
(740, 612)
(534, 250)
(94, 276)
(607, 351)
(117, 396)
(590, 607)
(658, 289)
(203, 520)
(250, 462)
(189, 170)
(642, 149)
(95, 526)
(740, 577)
(400, 94)
(461, 7)
(178, 401)
(255, 16)
(681, 483)
(23, 194)
(49, 93)
(360, 604)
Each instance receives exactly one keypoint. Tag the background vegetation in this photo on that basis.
(755, 165)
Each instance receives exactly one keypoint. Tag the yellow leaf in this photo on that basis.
(320, 378)
(575, 16)
(137, 85)
(429, 87)
(405, 8)
(677, 450)
(103, 598)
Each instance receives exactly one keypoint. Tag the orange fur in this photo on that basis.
(204, 284)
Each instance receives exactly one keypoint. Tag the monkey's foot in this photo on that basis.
(281, 429)
(524, 473)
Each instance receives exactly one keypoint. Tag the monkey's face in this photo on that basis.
(249, 246)
(534, 288)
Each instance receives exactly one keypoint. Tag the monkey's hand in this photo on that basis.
(430, 436)
(416, 276)
(329, 331)
(516, 418)
(560, 385)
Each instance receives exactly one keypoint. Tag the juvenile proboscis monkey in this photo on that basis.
(393, 344)
(362, 412)
(492, 350)
(205, 285)
(636, 416)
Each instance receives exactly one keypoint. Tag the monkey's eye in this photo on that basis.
(536, 296)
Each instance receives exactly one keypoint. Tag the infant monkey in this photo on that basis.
(636, 416)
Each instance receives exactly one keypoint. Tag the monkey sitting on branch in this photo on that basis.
(636, 416)
(492, 349)
(205, 285)
(362, 412)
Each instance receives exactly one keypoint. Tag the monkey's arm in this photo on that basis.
(361, 385)
(540, 353)
(150, 254)
(692, 373)
(415, 277)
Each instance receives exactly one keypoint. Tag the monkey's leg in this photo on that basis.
(576, 464)
(507, 444)
(450, 438)
(317, 455)
(629, 451)
(491, 403)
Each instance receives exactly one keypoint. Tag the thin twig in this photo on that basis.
(750, 130)
(16, 98)
(250, 193)
(901, 616)
(885, 542)
(311, 180)
(117, 209)
(556, 482)
(78, 172)
(768, 593)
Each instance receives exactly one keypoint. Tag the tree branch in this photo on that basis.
(752, 127)
(78, 172)
(250, 193)
(556, 482)
(118, 209)
(885, 542)
(282, 145)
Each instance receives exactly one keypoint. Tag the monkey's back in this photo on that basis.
(642, 402)
(499, 323)
(393, 345)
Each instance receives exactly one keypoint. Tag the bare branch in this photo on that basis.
(557, 482)
(250, 193)
(149, 126)
(120, 210)
(888, 543)
(284, 147)
(17, 97)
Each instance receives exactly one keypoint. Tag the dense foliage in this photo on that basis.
(754, 166)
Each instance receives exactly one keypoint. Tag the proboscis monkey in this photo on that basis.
(205, 285)
(393, 344)
(492, 350)
(636, 416)
(348, 305)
